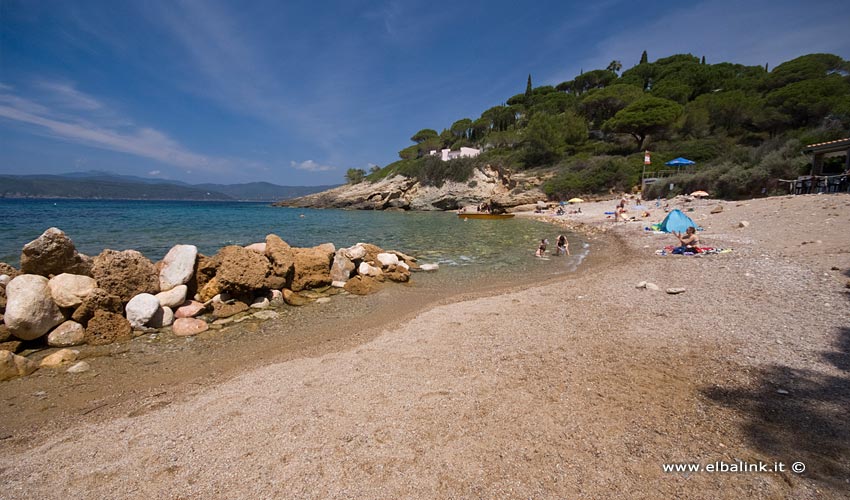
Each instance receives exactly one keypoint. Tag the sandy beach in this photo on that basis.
(582, 387)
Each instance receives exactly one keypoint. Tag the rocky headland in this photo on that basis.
(60, 298)
(404, 193)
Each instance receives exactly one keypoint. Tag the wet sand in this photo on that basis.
(581, 387)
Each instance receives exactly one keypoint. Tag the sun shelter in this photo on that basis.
(680, 162)
(676, 221)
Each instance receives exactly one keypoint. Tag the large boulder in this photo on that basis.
(177, 266)
(141, 308)
(69, 290)
(30, 310)
(106, 327)
(69, 333)
(241, 270)
(312, 267)
(125, 274)
(342, 266)
(53, 253)
(12, 365)
(173, 297)
(281, 257)
(98, 300)
(205, 269)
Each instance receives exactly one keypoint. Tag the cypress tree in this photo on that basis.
(528, 86)
(643, 58)
(703, 59)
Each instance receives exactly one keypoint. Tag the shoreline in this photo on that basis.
(579, 386)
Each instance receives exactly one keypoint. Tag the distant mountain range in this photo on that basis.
(106, 185)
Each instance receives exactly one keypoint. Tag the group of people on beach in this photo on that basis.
(563, 246)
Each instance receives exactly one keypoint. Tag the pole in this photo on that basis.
(646, 161)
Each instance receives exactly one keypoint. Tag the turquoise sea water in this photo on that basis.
(470, 249)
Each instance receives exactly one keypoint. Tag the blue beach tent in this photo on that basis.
(676, 221)
(680, 162)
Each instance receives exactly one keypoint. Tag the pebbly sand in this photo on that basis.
(577, 388)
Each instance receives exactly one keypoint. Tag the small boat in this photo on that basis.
(481, 215)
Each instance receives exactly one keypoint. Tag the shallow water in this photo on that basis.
(467, 249)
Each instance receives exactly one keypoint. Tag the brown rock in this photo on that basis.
(53, 253)
(5, 334)
(399, 275)
(8, 270)
(3, 298)
(294, 299)
(372, 252)
(11, 346)
(281, 257)
(241, 270)
(58, 358)
(718, 209)
(205, 269)
(210, 289)
(98, 300)
(186, 327)
(107, 327)
(125, 274)
(225, 310)
(312, 267)
(362, 285)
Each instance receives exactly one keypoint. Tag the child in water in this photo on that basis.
(563, 245)
(541, 250)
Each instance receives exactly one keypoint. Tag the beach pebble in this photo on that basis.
(260, 303)
(58, 358)
(186, 327)
(80, 367)
(429, 267)
(5, 279)
(293, 298)
(69, 333)
(174, 297)
(782, 391)
(276, 298)
(264, 315)
(743, 223)
(141, 309)
(323, 300)
(653, 287)
(164, 316)
(189, 309)
(178, 267)
(675, 291)
(641, 284)
(12, 365)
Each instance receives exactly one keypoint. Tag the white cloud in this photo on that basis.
(70, 97)
(311, 166)
(154, 172)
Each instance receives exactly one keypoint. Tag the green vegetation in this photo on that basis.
(743, 125)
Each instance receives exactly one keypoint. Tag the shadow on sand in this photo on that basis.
(810, 423)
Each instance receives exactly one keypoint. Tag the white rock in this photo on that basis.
(174, 297)
(404, 265)
(387, 259)
(30, 309)
(429, 267)
(338, 284)
(80, 367)
(265, 315)
(69, 290)
(260, 303)
(59, 357)
(642, 284)
(653, 287)
(368, 270)
(276, 298)
(164, 316)
(356, 252)
(69, 333)
(141, 309)
(323, 300)
(5, 279)
(257, 247)
(178, 266)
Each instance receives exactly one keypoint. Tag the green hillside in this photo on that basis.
(744, 126)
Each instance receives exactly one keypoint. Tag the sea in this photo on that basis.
(468, 251)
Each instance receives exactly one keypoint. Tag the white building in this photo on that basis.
(448, 154)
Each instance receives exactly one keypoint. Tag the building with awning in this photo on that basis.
(825, 176)
(831, 149)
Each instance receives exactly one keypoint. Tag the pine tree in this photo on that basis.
(528, 86)
(765, 68)
(643, 58)
(703, 60)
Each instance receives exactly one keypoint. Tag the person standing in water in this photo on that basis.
(563, 245)
(541, 250)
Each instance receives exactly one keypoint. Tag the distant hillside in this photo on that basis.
(105, 185)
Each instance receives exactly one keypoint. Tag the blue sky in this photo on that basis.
(295, 93)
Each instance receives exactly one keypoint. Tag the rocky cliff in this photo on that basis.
(485, 185)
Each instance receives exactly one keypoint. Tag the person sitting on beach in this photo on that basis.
(541, 250)
(563, 245)
(689, 241)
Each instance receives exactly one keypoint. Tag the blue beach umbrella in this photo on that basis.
(680, 162)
